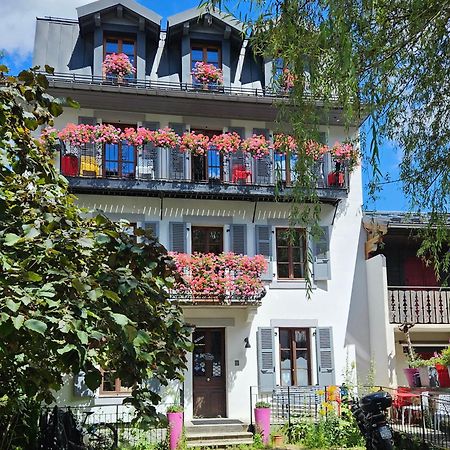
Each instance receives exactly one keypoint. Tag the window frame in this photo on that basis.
(120, 39)
(119, 390)
(293, 350)
(207, 229)
(204, 47)
(290, 262)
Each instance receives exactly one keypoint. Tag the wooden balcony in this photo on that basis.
(419, 304)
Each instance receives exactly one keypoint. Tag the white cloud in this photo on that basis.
(18, 21)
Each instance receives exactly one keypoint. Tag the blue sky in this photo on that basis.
(16, 36)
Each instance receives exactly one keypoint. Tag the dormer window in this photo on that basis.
(126, 45)
(207, 53)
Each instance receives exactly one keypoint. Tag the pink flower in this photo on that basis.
(194, 143)
(284, 142)
(226, 143)
(207, 73)
(257, 145)
(118, 64)
(165, 137)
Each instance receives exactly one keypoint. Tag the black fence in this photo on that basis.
(422, 417)
(106, 426)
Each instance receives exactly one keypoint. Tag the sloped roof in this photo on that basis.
(194, 13)
(101, 5)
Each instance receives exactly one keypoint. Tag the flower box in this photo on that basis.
(69, 165)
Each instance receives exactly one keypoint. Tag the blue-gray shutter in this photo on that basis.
(325, 356)
(321, 255)
(238, 239)
(177, 237)
(263, 235)
(153, 226)
(149, 165)
(263, 165)
(177, 170)
(79, 386)
(266, 359)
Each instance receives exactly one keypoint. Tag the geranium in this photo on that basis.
(257, 145)
(197, 144)
(226, 143)
(345, 153)
(77, 135)
(207, 73)
(107, 134)
(165, 137)
(315, 149)
(138, 137)
(282, 143)
(118, 64)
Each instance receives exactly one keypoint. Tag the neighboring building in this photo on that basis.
(212, 203)
(402, 289)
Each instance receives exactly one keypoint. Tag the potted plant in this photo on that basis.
(425, 368)
(262, 420)
(118, 65)
(277, 437)
(443, 368)
(208, 75)
(175, 418)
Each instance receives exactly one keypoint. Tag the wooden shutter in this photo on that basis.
(149, 162)
(263, 165)
(321, 256)
(177, 170)
(79, 386)
(325, 357)
(177, 237)
(238, 239)
(263, 234)
(266, 359)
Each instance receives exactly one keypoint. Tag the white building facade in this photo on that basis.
(201, 205)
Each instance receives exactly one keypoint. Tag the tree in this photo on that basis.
(383, 60)
(76, 294)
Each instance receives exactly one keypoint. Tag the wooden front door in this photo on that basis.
(209, 372)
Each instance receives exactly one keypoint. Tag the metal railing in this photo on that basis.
(419, 304)
(187, 298)
(148, 163)
(153, 85)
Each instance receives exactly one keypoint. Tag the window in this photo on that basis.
(285, 169)
(207, 53)
(210, 166)
(120, 159)
(121, 45)
(291, 253)
(112, 386)
(295, 354)
(207, 240)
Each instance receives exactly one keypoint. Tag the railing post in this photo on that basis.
(423, 418)
(289, 406)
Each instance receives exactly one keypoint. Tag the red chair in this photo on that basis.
(336, 179)
(240, 173)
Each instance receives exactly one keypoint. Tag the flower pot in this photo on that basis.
(262, 420)
(443, 375)
(175, 429)
(277, 440)
(412, 377)
(69, 165)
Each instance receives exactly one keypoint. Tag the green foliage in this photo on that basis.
(444, 358)
(175, 409)
(329, 432)
(76, 294)
(383, 61)
(262, 405)
(258, 441)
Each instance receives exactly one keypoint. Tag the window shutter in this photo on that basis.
(79, 386)
(177, 236)
(266, 359)
(321, 256)
(149, 164)
(176, 158)
(324, 344)
(239, 239)
(153, 226)
(263, 247)
(263, 165)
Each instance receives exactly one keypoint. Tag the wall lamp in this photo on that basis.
(247, 343)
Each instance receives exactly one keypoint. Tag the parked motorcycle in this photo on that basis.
(370, 415)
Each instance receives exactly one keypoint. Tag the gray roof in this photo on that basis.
(399, 219)
(193, 13)
(100, 5)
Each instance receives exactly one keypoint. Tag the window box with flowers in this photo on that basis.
(207, 76)
(117, 67)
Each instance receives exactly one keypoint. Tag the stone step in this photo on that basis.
(215, 426)
(219, 443)
(219, 435)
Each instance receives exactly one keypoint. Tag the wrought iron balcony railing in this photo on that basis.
(125, 162)
(419, 304)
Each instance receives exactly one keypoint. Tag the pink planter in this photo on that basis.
(175, 429)
(262, 420)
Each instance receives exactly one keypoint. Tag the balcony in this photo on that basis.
(166, 172)
(419, 305)
(226, 279)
